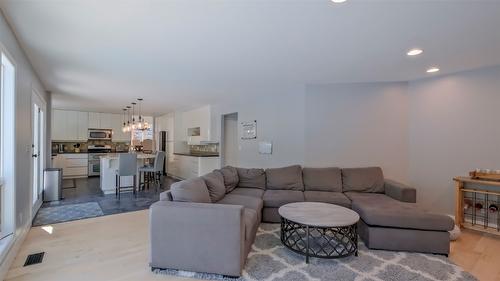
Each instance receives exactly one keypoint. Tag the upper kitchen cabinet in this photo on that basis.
(94, 120)
(69, 125)
(83, 125)
(196, 125)
(106, 120)
(99, 120)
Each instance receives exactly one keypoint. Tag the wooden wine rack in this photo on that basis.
(477, 204)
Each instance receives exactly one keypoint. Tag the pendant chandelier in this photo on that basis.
(127, 127)
(142, 124)
(129, 122)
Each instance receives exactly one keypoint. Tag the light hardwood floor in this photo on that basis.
(116, 248)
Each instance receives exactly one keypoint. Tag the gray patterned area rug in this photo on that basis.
(56, 214)
(269, 260)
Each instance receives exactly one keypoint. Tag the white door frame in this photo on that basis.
(222, 144)
(37, 99)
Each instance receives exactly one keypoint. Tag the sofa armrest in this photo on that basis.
(400, 191)
(166, 196)
(199, 237)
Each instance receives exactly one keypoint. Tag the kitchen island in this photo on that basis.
(109, 165)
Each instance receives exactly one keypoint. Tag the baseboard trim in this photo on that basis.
(19, 238)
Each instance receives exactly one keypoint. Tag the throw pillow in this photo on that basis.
(286, 178)
(191, 190)
(231, 179)
(215, 185)
(252, 178)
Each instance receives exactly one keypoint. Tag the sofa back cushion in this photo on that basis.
(322, 179)
(215, 185)
(251, 178)
(286, 178)
(191, 190)
(231, 179)
(369, 179)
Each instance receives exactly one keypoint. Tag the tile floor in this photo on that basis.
(88, 190)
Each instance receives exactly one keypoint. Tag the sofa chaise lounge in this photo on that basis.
(208, 224)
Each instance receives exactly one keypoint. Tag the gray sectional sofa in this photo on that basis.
(208, 224)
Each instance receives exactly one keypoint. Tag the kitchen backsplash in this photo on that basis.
(204, 148)
(70, 147)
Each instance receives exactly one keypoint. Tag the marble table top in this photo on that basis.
(318, 214)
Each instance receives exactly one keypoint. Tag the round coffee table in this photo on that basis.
(319, 230)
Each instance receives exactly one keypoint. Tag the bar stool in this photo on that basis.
(155, 171)
(127, 166)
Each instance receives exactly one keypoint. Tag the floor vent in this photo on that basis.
(34, 259)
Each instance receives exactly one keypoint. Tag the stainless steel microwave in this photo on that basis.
(100, 134)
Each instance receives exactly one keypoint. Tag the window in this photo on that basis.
(7, 148)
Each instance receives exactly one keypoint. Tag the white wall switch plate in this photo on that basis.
(265, 147)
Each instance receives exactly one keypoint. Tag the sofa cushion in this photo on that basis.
(322, 179)
(286, 178)
(245, 201)
(191, 190)
(252, 178)
(230, 175)
(336, 198)
(381, 210)
(215, 185)
(278, 198)
(253, 192)
(369, 179)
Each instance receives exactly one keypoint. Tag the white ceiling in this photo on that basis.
(100, 55)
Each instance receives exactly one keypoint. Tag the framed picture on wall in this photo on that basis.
(249, 130)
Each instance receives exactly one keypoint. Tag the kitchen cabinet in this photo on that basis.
(99, 120)
(74, 165)
(187, 167)
(69, 125)
(197, 118)
(94, 120)
(82, 125)
(106, 121)
(58, 124)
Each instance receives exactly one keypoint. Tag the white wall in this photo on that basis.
(279, 112)
(26, 81)
(354, 125)
(454, 128)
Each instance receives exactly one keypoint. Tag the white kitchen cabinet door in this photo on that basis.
(199, 117)
(82, 125)
(71, 125)
(106, 120)
(58, 124)
(94, 120)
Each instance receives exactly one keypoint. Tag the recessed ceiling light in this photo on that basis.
(432, 70)
(414, 52)
(338, 1)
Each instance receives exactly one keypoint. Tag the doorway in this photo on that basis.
(38, 109)
(229, 151)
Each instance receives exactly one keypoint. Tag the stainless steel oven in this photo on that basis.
(100, 134)
(95, 153)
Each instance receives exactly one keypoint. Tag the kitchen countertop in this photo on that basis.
(197, 154)
(114, 156)
(69, 152)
